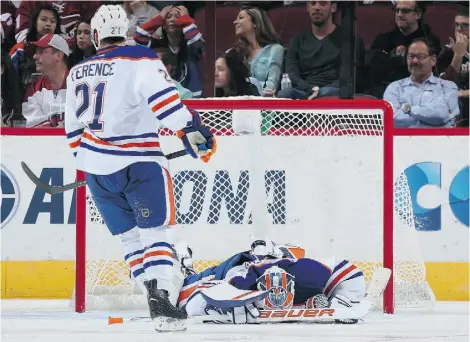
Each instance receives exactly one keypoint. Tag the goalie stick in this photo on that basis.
(57, 189)
(375, 290)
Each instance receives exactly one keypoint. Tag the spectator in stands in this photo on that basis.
(83, 47)
(44, 101)
(182, 37)
(422, 99)
(71, 12)
(258, 42)
(453, 61)
(11, 100)
(388, 51)
(231, 76)
(7, 29)
(169, 60)
(46, 20)
(314, 57)
(138, 13)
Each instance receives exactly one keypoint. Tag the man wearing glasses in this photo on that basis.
(388, 62)
(453, 61)
(422, 99)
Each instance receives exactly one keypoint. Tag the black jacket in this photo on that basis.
(387, 57)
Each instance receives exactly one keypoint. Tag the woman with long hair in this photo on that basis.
(258, 42)
(231, 76)
(83, 46)
(46, 20)
(181, 35)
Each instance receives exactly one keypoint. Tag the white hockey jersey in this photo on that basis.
(115, 103)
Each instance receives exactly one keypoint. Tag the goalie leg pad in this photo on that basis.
(341, 301)
(345, 270)
(354, 289)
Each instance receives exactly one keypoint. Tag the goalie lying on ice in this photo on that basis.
(286, 281)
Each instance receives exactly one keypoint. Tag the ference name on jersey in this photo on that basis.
(93, 69)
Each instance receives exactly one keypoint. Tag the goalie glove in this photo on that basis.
(198, 139)
(318, 301)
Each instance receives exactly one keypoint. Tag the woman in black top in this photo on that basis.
(232, 76)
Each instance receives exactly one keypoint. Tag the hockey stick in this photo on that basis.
(375, 290)
(57, 189)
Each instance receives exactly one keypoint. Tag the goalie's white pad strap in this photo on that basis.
(343, 271)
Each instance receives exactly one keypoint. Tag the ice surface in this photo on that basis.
(51, 321)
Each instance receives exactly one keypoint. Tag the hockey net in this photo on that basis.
(316, 174)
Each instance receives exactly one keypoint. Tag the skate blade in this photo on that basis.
(168, 324)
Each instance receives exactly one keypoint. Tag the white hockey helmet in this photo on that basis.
(109, 21)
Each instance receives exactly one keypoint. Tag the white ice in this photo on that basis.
(53, 321)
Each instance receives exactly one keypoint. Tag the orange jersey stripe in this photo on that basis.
(107, 143)
(157, 253)
(162, 104)
(16, 47)
(136, 262)
(75, 144)
(171, 200)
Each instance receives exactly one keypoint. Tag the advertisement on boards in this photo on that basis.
(317, 192)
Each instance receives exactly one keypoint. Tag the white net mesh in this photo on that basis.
(313, 178)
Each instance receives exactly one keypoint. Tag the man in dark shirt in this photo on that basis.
(388, 51)
(314, 57)
(453, 61)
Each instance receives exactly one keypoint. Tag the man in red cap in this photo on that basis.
(44, 101)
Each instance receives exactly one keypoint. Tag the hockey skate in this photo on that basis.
(165, 316)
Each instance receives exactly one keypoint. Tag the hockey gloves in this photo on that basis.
(198, 139)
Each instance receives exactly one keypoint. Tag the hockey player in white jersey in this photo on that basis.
(115, 103)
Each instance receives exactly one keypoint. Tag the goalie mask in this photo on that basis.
(280, 285)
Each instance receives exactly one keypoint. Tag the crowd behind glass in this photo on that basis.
(423, 75)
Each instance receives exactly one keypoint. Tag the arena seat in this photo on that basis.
(373, 20)
(285, 26)
(225, 33)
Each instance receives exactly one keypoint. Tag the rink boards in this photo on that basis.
(38, 231)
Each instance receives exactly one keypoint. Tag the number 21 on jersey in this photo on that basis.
(96, 98)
